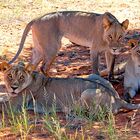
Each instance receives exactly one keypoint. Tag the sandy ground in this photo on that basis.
(72, 60)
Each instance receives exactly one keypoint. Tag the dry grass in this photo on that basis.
(14, 14)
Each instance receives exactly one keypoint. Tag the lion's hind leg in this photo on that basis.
(92, 99)
(88, 96)
(51, 50)
(47, 41)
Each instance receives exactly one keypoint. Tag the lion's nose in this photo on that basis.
(114, 49)
(14, 87)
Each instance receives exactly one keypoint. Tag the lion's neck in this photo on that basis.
(39, 80)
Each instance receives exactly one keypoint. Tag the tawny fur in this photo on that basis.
(132, 73)
(63, 92)
(100, 32)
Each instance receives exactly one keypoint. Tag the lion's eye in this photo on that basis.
(120, 37)
(21, 78)
(110, 37)
(10, 76)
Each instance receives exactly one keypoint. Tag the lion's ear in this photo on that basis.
(4, 66)
(125, 24)
(30, 68)
(106, 22)
(133, 43)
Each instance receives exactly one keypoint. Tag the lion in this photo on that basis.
(132, 74)
(40, 93)
(100, 32)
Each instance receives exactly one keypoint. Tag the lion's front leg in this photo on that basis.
(110, 60)
(129, 93)
(10, 106)
(94, 56)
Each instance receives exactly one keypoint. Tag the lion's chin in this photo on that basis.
(13, 94)
(115, 53)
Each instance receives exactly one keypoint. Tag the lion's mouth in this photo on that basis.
(13, 94)
(115, 53)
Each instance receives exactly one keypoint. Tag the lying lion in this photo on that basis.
(40, 93)
(132, 74)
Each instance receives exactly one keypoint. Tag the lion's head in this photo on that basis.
(16, 78)
(114, 32)
(135, 52)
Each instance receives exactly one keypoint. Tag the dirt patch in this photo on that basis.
(72, 60)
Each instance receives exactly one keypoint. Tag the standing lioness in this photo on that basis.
(100, 32)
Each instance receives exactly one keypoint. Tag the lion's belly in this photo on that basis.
(83, 41)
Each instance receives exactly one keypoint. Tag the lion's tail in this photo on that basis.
(27, 29)
(128, 106)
